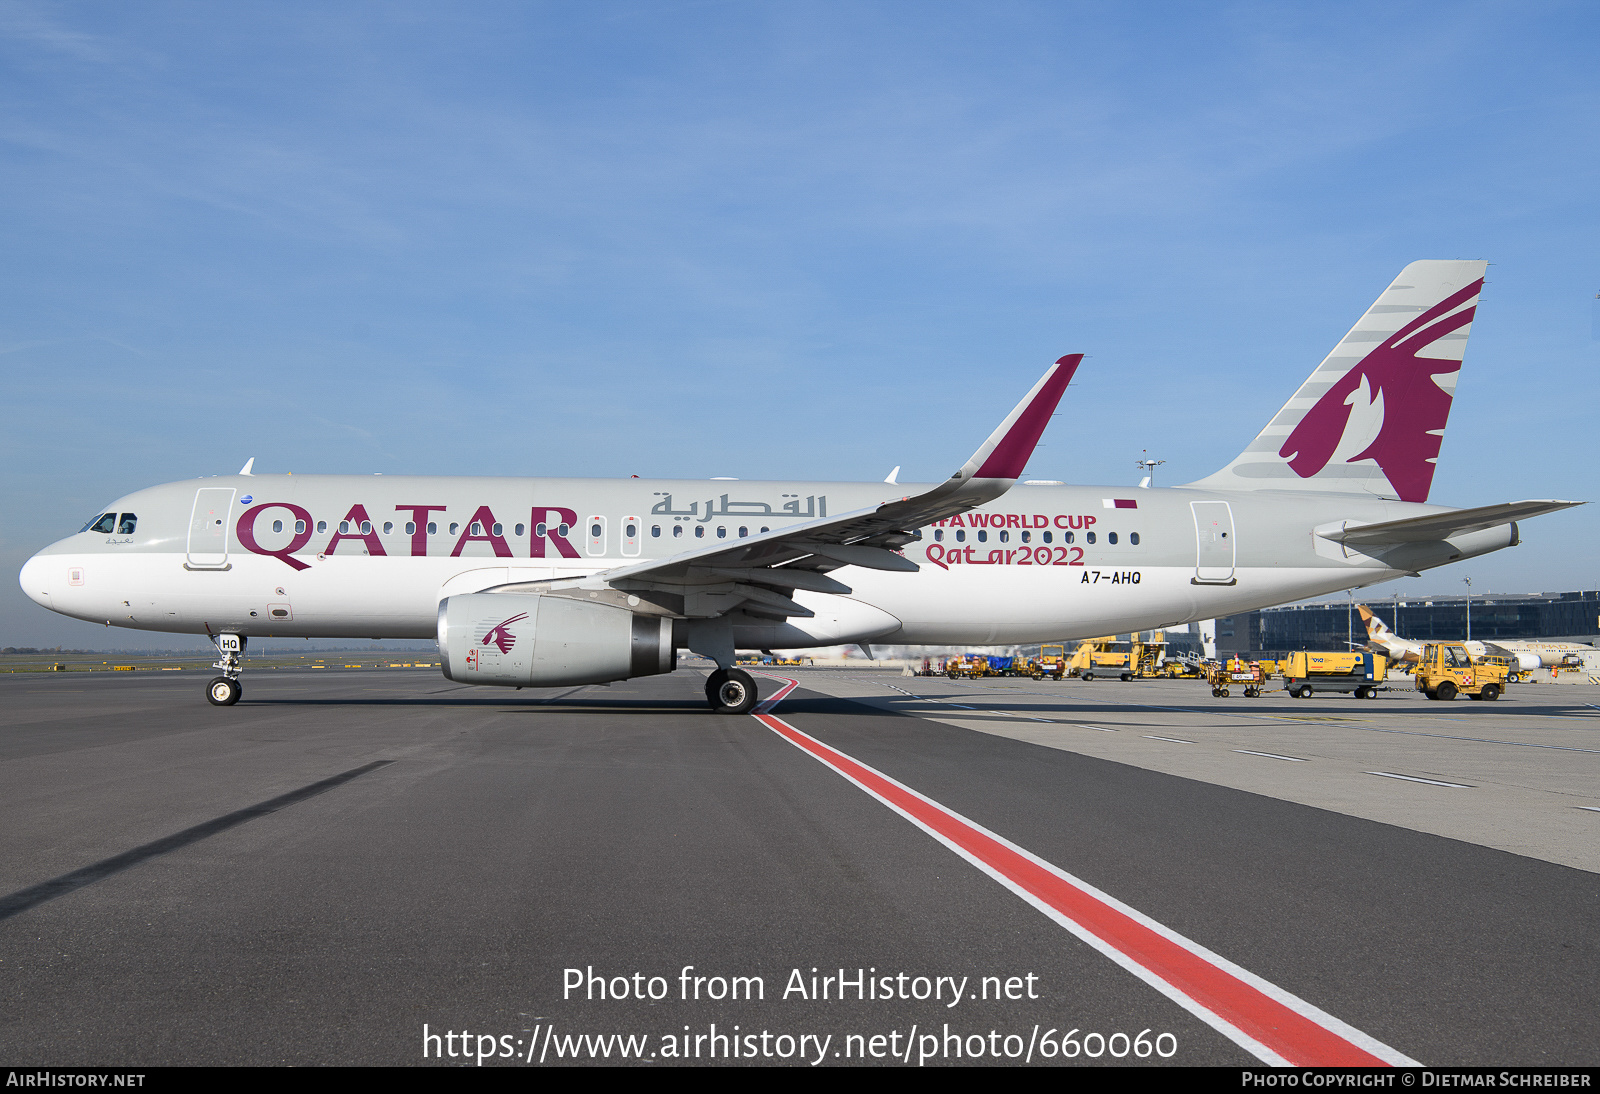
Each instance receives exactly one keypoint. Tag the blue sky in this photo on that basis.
(764, 240)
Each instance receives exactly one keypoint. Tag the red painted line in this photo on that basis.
(1270, 1022)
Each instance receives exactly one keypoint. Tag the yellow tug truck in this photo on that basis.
(1359, 672)
(1448, 670)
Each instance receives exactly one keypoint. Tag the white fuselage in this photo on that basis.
(372, 556)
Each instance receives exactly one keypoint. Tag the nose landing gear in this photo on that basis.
(224, 690)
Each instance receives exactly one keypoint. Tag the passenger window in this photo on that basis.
(961, 535)
(277, 526)
(938, 535)
(631, 530)
(983, 535)
(127, 524)
(366, 527)
(1027, 537)
(519, 529)
(497, 528)
(388, 527)
(1088, 537)
(344, 527)
(700, 532)
(1133, 538)
(563, 529)
(677, 530)
(411, 527)
(655, 531)
(1112, 538)
(541, 529)
(1005, 537)
(1048, 536)
(433, 528)
(299, 527)
(594, 530)
(454, 528)
(106, 524)
(764, 530)
(322, 526)
(722, 533)
(477, 528)
(743, 531)
(1067, 537)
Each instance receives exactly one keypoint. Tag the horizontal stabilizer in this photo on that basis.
(1438, 526)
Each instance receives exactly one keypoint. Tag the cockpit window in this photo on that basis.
(105, 522)
(127, 524)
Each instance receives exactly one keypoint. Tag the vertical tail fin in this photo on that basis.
(1371, 418)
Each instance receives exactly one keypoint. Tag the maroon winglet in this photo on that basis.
(1011, 455)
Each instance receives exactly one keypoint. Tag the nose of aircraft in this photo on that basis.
(34, 582)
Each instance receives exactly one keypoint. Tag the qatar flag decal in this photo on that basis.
(1119, 503)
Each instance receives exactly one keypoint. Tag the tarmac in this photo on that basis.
(382, 867)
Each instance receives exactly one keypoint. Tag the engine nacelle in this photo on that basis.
(523, 640)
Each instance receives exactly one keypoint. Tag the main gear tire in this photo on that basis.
(731, 691)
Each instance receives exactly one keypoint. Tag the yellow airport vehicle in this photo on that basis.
(1096, 658)
(968, 668)
(1355, 672)
(1235, 672)
(1447, 670)
(1051, 664)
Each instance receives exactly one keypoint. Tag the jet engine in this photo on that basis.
(530, 640)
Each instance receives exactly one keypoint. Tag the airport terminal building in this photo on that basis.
(1328, 625)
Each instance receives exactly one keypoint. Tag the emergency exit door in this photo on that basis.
(1215, 545)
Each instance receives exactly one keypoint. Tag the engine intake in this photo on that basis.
(530, 640)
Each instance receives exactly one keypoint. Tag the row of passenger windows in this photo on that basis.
(113, 524)
(1044, 537)
(110, 524)
(677, 531)
(348, 528)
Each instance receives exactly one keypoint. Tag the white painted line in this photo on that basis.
(1097, 729)
(1414, 779)
(1174, 740)
(1272, 755)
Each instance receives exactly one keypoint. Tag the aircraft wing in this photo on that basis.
(1437, 526)
(760, 573)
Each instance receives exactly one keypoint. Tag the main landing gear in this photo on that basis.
(731, 691)
(224, 690)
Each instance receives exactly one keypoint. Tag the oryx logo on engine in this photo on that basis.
(500, 636)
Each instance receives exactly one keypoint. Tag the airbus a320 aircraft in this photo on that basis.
(554, 582)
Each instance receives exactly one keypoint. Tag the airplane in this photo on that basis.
(1525, 654)
(543, 582)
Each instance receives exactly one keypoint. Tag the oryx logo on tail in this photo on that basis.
(1370, 418)
(1415, 407)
